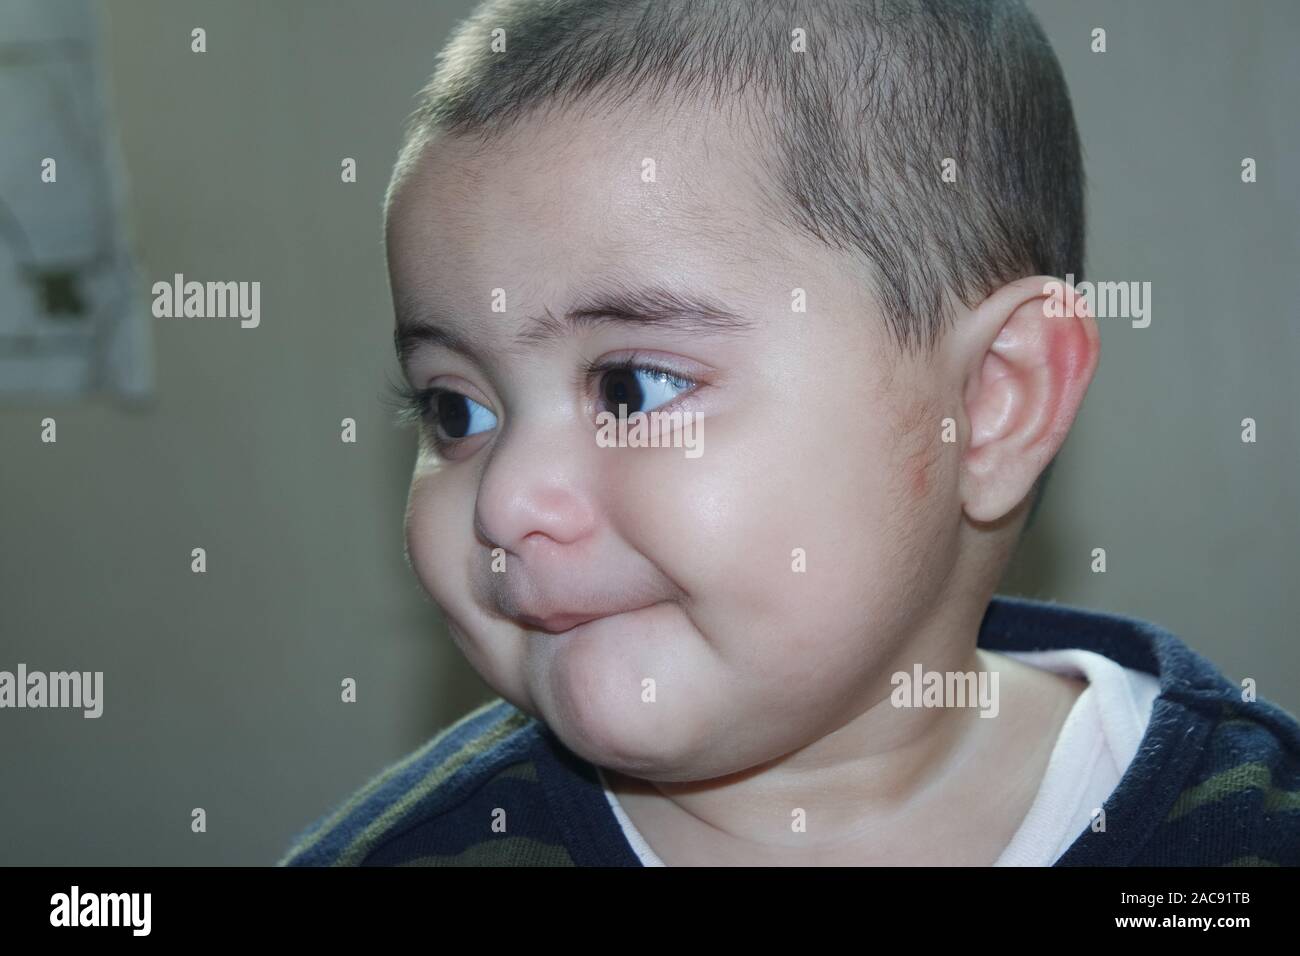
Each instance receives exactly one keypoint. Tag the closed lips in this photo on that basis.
(559, 622)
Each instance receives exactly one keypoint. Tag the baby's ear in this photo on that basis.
(1032, 350)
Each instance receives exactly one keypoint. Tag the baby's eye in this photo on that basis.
(459, 416)
(640, 387)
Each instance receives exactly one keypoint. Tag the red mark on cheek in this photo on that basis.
(921, 454)
(919, 474)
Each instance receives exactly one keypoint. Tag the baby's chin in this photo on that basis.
(629, 692)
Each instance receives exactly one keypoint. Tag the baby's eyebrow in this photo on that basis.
(653, 306)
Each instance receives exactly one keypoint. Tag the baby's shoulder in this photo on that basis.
(1251, 747)
(1235, 798)
(444, 804)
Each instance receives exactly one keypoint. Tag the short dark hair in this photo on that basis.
(859, 124)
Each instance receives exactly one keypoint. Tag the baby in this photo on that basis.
(833, 232)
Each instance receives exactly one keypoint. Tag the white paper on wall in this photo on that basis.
(72, 315)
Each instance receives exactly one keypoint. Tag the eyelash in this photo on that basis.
(413, 406)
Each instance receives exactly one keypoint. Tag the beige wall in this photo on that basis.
(223, 689)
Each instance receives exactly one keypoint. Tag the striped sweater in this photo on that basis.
(1215, 782)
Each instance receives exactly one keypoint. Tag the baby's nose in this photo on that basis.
(533, 493)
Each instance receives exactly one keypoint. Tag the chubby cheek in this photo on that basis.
(441, 545)
(785, 547)
(789, 558)
(435, 531)
(715, 525)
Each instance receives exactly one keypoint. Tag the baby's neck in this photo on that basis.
(953, 791)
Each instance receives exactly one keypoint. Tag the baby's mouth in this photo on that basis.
(560, 622)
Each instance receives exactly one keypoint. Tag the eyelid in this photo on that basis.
(460, 387)
(642, 361)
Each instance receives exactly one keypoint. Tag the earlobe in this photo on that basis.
(1030, 369)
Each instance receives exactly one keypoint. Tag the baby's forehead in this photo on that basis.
(672, 198)
(627, 177)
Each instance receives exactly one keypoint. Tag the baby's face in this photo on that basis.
(716, 652)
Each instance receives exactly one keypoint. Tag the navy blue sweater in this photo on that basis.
(1215, 782)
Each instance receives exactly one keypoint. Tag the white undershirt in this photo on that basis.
(1097, 742)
